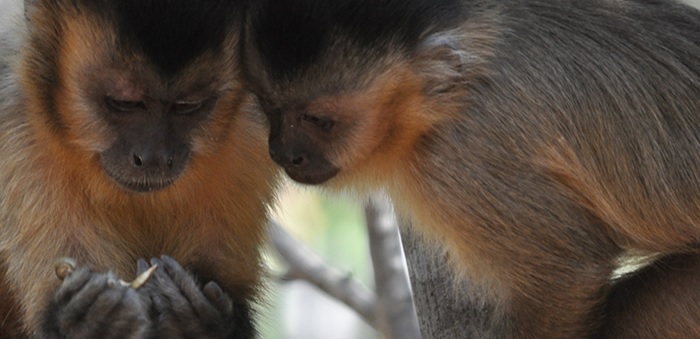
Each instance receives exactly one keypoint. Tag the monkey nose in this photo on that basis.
(295, 159)
(299, 160)
(152, 160)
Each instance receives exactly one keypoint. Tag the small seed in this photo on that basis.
(141, 279)
(64, 267)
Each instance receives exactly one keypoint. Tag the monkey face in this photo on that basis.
(343, 86)
(317, 138)
(294, 135)
(141, 120)
(150, 146)
(350, 111)
(150, 130)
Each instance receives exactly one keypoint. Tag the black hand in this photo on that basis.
(181, 309)
(95, 305)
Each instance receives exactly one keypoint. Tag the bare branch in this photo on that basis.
(306, 265)
(398, 315)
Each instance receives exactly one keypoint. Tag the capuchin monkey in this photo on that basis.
(124, 134)
(538, 142)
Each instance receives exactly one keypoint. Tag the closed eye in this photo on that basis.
(124, 105)
(187, 107)
(323, 123)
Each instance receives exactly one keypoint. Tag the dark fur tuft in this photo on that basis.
(171, 32)
(292, 34)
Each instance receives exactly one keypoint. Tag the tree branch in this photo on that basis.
(397, 314)
(306, 265)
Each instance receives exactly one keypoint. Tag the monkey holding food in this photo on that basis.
(124, 134)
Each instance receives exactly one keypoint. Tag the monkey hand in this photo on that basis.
(96, 305)
(181, 309)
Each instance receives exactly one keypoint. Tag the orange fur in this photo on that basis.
(59, 202)
(381, 143)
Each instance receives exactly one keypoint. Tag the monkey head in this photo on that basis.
(345, 85)
(136, 88)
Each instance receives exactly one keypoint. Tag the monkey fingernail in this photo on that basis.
(64, 267)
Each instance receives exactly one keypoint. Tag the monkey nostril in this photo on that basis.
(138, 161)
(298, 160)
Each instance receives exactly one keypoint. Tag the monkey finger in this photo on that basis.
(161, 270)
(218, 298)
(104, 304)
(141, 266)
(167, 292)
(115, 313)
(75, 309)
(181, 277)
(187, 285)
(130, 317)
(156, 301)
(72, 284)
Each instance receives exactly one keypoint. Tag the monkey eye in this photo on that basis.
(186, 107)
(323, 123)
(124, 105)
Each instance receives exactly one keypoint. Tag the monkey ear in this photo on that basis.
(444, 62)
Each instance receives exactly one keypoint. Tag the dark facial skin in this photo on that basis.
(293, 144)
(152, 148)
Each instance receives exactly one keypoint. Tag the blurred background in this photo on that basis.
(334, 228)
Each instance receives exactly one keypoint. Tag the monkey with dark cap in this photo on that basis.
(537, 141)
(124, 134)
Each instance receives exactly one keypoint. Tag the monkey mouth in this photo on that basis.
(145, 186)
(142, 184)
(307, 177)
(144, 181)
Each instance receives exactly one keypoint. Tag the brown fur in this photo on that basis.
(639, 304)
(537, 141)
(57, 201)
